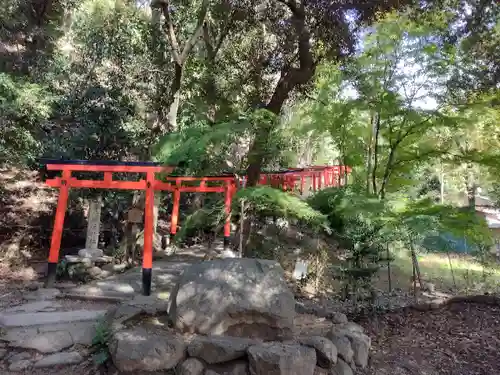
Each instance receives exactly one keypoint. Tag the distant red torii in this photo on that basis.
(288, 180)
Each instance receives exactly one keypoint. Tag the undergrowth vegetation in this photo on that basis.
(403, 93)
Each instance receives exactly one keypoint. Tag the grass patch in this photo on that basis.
(470, 275)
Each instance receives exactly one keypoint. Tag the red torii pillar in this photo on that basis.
(66, 182)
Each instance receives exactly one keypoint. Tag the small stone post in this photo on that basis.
(94, 223)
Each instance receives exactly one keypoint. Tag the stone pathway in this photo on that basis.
(127, 285)
(53, 328)
(44, 333)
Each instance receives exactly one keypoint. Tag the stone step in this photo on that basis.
(40, 306)
(81, 333)
(43, 318)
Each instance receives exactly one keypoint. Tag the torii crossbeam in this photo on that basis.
(288, 180)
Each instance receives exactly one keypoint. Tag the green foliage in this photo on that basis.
(208, 219)
(25, 108)
(100, 343)
(203, 147)
(418, 219)
(266, 201)
(343, 205)
(358, 221)
(62, 269)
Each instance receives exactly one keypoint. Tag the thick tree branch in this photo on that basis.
(199, 29)
(295, 76)
(179, 56)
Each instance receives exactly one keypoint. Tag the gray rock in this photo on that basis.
(234, 297)
(339, 318)
(429, 287)
(59, 359)
(71, 259)
(42, 294)
(138, 350)
(43, 318)
(281, 359)
(119, 267)
(48, 342)
(94, 272)
(211, 372)
(191, 366)
(16, 357)
(343, 345)
(105, 274)
(105, 259)
(360, 343)
(87, 262)
(219, 349)
(321, 371)
(20, 365)
(90, 253)
(341, 368)
(348, 327)
(3, 353)
(326, 352)
(237, 367)
(361, 347)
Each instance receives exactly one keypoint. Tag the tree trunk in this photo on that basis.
(290, 79)
(369, 156)
(174, 99)
(471, 186)
(387, 172)
(376, 132)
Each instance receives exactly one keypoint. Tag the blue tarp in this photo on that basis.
(448, 242)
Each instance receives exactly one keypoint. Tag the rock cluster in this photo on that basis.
(346, 349)
(239, 317)
(91, 263)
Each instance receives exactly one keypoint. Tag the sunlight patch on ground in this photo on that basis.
(435, 268)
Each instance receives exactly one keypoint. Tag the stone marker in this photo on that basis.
(58, 359)
(94, 223)
(234, 297)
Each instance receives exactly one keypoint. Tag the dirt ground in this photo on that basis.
(459, 339)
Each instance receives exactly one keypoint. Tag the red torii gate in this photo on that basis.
(288, 180)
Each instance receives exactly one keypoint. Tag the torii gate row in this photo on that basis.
(288, 180)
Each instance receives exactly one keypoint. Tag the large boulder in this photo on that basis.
(234, 297)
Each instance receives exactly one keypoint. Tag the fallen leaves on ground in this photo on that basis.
(458, 339)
